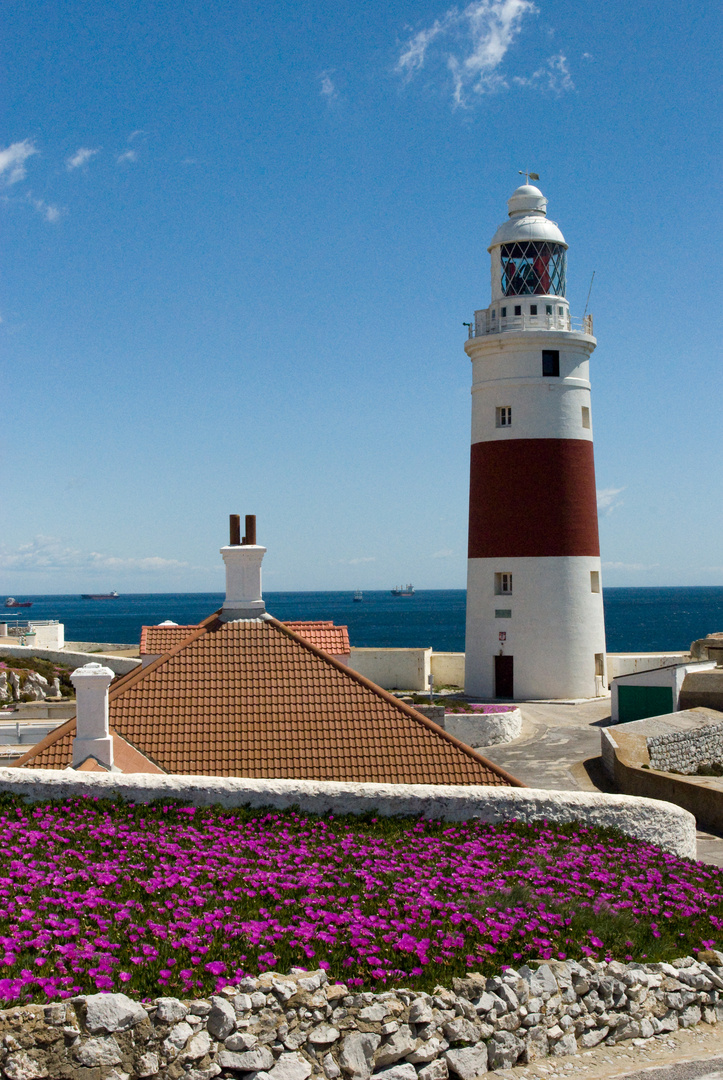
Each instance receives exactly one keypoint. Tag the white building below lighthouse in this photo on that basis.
(535, 625)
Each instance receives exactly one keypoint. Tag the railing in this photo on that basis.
(484, 325)
(13, 623)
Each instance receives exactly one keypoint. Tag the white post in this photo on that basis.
(92, 737)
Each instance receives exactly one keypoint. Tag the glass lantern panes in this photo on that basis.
(533, 268)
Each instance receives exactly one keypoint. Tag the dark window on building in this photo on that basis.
(518, 309)
(503, 313)
(550, 362)
(548, 309)
(533, 309)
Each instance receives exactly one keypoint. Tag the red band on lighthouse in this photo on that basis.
(532, 497)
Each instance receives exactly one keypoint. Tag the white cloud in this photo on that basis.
(136, 134)
(607, 499)
(81, 157)
(328, 89)
(46, 553)
(13, 158)
(357, 562)
(472, 43)
(445, 553)
(127, 155)
(554, 76)
(50, 211)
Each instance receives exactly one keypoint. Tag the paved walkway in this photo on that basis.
(559, 749)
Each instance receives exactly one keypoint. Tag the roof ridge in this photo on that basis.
(51, 738)
(401, 705)
(138, 674)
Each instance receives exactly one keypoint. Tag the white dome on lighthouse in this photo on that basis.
(527, 209)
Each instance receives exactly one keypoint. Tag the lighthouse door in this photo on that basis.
(504, 677)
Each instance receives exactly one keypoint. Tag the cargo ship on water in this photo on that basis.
(99, 596)
(12, 602)
(403, 590)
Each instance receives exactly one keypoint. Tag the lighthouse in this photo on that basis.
(535, 626)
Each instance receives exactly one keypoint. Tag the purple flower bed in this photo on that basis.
(164, 899)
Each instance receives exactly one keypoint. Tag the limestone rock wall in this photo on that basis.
(301, 1027)
(684, 751)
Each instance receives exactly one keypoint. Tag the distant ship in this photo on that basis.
(99, 596)
(12, 602)
(403, 590)
(358, 596)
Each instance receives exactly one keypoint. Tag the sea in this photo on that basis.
(636, 619)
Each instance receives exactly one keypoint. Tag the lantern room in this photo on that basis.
(529, 253)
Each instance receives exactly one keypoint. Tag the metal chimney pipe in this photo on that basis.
(250, 525)
(234, 530)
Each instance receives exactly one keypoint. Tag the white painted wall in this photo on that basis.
(393, 669)
(629, 663)
(650, 820)
(447, 668)
(555, 630)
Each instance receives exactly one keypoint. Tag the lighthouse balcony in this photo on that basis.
(486, 323)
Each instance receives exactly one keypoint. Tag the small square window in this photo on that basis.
(533, 309)
(518, 309)
(594, 581)
(504, 415)
(503, 613)
(550, 362)
(585, 416)
(503, 584)
(560, 311)
(548, 309)
(493, 314)
(503, 313)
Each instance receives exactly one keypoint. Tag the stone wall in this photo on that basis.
(654, 822)
(300, 1026)
(119, 664)
(684, 751)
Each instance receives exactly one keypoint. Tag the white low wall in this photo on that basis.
(629, 663)
(650, 820)
(119, 664)
(393, 669)
(484, 729)
(447, 668)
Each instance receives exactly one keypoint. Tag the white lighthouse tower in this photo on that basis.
(535, 624)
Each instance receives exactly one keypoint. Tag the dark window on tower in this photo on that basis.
(548, 309)
(533, 309)
(550, 362)
(518, 309)
(503, 313)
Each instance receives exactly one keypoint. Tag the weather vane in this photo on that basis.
(529, 175)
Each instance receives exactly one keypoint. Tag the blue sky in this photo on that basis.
(240, 242)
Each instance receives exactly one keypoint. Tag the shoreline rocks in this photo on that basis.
(301, 1027)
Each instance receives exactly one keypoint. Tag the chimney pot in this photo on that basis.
(234, 530)
(92, 732)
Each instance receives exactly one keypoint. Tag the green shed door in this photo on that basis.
(637, 702)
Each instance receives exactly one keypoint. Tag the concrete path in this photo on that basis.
(559, 749)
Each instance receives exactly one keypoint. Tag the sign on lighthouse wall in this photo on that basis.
(535, 625)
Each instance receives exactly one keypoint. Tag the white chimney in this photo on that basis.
(92, 735)
(243, 572)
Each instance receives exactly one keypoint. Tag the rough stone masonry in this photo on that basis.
(300, 1026)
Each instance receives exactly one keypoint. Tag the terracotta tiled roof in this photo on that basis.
(324, 635)
(253, 698)
(156, 640)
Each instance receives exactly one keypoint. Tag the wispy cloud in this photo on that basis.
(13, 158)
(607, 499)
(81, 157)
(127, 155)
(554, 76)
(472, 43)
(445, 553)
(358, 561)
(328, 87)
(48, 553)
(50, 211)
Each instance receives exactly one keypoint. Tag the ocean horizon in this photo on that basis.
(637, 619)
